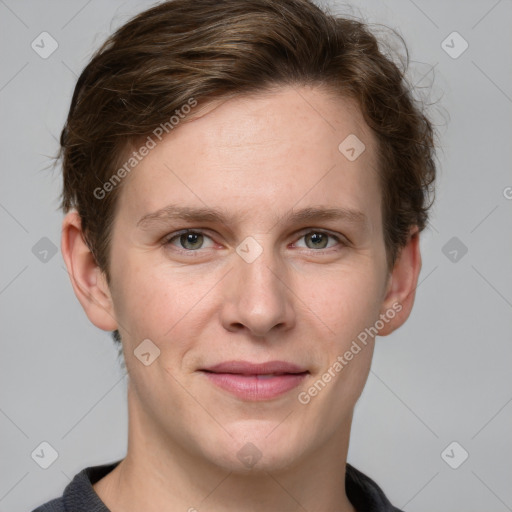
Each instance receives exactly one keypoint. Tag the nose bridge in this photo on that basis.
(259, 266)
(261, 299)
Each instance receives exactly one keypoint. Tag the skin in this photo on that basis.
(257, 158)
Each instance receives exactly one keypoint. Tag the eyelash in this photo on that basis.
(190, 252)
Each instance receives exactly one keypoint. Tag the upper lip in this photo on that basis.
(247, 368)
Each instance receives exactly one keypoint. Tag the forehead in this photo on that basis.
(261, 154)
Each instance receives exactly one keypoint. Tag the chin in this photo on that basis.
(250, 460)
(256, 448)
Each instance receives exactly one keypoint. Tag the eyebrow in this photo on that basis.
(211, 215)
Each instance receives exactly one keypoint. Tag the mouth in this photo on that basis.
(256, 381)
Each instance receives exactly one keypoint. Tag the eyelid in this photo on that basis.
(175, 234)
(340, 239)
(334, 234)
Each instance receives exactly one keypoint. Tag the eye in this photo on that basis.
(191, 241)
(188, 240)
(320, 240)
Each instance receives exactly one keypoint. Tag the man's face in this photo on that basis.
(259, 286)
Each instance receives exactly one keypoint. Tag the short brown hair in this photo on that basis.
(212, 49)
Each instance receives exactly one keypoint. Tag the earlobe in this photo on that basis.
(87, 279)
(401, 288)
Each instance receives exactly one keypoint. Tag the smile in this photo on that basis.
(256, 382)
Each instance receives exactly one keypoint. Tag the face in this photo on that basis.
(267, 286)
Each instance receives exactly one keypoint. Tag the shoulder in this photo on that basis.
(79, 495)
(55, 505)
(364, 493)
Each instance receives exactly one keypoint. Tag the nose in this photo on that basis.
(257, 296)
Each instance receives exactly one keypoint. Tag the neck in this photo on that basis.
(159, 475)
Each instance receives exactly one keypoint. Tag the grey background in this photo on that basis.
(444, 376)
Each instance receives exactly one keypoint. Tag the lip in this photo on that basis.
(256, 381)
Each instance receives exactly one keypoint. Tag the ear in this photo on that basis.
(88, 281)
(402, 282)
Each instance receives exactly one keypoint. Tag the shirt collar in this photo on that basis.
(80, 496)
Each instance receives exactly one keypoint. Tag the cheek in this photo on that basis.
(157, 302)
(345, 312)
(345, 301)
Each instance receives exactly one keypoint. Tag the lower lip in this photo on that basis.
(250, 387)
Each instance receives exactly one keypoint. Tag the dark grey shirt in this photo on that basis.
(79, 495)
